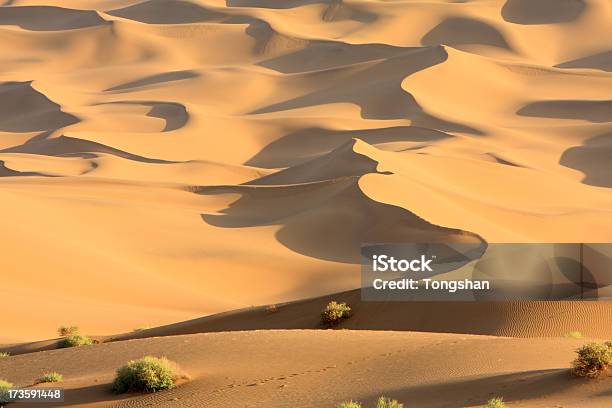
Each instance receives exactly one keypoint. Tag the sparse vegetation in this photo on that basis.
(65, 331)
(272, 309)
(593, 359)
(148, 374)
(75, 340)
(5, 386)
(573, 335)
(384, 402)
(381, 402)
(497, 402)
(3, 354)
(349, 404)
(51, 377)
(334, 313)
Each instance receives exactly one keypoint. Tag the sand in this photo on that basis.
(165, 160)
(211, 149)
(305, 368)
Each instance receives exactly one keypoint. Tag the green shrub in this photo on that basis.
(64, 331)
(573, 335)
(5, 386)
(3, 354)
(334, 313)
(384, 402)
(148, 374)
(497, 402)
(349, 404)
(51, 377)
(593, 359)
(75, 340)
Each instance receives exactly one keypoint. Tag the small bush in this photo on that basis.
(574, 335)
(148, 374)
(3, 354)
(334, 313)
(497, 402)
(349, 404)
(384, 402)
(64, 331)
(271, 309)
(593, 359)
(75, 340)
(5, 386)
(51, 377)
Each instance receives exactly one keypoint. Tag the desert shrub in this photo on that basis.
(573, 335)
(497, 402)
(593, 359)
(272, 309)
(148, 374)
(51, 377)
(75, 340)
(384, 402)
(64, 331)
(349, 404)
(3, 354)
(5, 386)
(334, 313)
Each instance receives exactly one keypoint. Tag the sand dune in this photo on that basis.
(305, 368)
(183, 164)
(601, 61)
(512, 319)
(209, 148)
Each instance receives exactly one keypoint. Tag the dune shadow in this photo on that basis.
(306, 144)
(274, 4)
(269, 41)
(23, 109)
(76, 397)
(74, 147)
(326, 220)
(593, 159)
(337, 10)
(602, 61)
(154, 80)
(500, 160)
(542, 11)
(477, 390)
(49, 18)
(322, 55)
(458, 31)
(176, 12)
(6, 172)
(376, 89)
(175, 114)
(592, 111)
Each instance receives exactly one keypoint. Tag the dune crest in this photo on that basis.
(209, 148)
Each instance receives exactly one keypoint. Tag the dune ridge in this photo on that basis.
(209, 148)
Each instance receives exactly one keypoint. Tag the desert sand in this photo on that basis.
(166, 160)
(324, 367)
